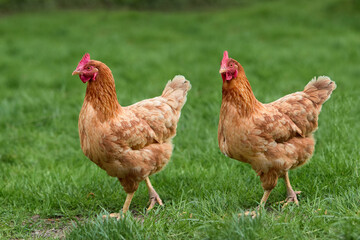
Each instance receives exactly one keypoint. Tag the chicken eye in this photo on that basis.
(88, 68)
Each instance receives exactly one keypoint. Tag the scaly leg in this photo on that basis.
(291, 194)
(125, 208)
(262, 203)
(154, 197)
(265, 198)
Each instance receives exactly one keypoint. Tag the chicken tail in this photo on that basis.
(319, 89)
(175, 92)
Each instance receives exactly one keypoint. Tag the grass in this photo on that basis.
(48, 186)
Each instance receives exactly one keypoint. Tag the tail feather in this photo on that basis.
(319, 89)
(175, 92)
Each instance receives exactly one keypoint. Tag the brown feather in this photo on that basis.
(133, 142)
(272, 137)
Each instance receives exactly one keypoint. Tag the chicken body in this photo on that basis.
(274, 137)
(134, 142)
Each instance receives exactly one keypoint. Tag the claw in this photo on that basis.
(292, 198)
(113, 215)
(153, 200)
(154, 197)
(252, 214)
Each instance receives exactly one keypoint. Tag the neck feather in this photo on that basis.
(238, 91)
(101, 94)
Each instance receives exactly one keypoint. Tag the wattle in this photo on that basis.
(229, 76)
(87, 77)
(223, 75)
(84, 78)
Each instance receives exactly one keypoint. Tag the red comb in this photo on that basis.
(85, 59)
(225, 58)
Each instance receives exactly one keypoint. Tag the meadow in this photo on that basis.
(49, 189)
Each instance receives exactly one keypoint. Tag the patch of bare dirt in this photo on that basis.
(55, 227)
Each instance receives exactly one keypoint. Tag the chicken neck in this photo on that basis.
(101, 94)
(238, 92)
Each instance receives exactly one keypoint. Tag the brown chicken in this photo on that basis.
(273, 137)
(130, 143)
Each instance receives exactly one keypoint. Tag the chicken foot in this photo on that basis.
(153, 196)
(125, 208)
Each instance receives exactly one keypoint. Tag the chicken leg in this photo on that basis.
(262, 203)
(264, 198)
(291, 194)
(125, 208)
(154, 197)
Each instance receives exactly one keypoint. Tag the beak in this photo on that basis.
(222, 70)
(76, 72)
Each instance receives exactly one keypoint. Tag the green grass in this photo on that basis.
(45, 179)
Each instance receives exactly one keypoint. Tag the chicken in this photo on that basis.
(130, 143)
(275, 137)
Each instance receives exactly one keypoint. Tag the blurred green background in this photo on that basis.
(162, 5)
(16, 5)
(45, 180)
